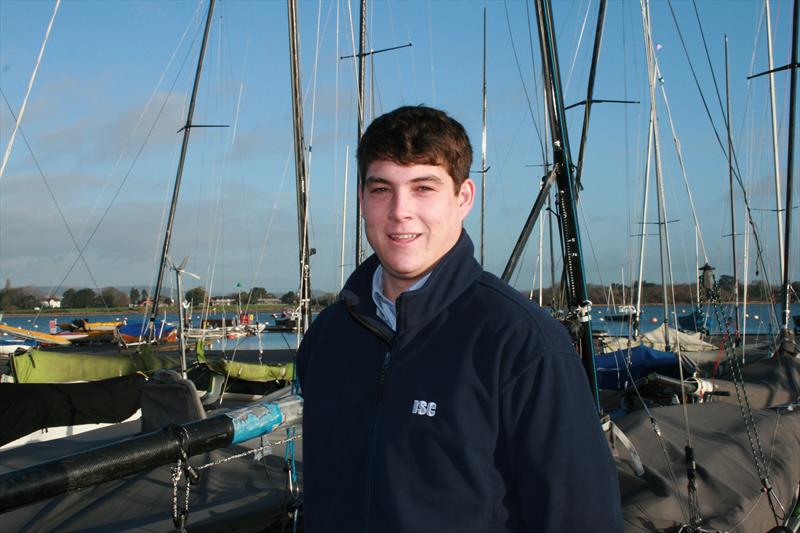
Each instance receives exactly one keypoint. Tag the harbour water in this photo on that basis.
(759, 321)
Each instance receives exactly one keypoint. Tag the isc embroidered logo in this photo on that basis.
(421, 407)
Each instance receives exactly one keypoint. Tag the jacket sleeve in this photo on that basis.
(562, 471)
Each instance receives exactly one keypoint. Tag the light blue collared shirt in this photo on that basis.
(387, 311)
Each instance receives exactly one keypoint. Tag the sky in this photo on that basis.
(94, 165)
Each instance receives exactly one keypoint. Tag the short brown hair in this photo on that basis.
(417, 135)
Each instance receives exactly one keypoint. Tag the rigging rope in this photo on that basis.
(80, 257)
(659, 438)
(744, 403)
(708, 58)
(736, 172)
(578, 47)
(536, 89)
(522, 81)
(132, 165)
(652, 62)
(681, 162)
(18, 118)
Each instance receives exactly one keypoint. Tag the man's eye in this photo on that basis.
(424, 188)
(378, 190)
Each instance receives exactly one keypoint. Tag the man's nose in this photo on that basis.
(401, 205)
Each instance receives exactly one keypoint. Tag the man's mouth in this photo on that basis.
(403, 237)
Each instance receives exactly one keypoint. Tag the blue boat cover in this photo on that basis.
(142, 329)
(699, 320)
(641, 360)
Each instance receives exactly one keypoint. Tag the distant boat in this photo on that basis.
(623, 314)
(286, 320)
(138, 332)
(10, 346)
(84, 324)
(35, 335)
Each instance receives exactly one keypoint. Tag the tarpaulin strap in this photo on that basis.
(619, 435)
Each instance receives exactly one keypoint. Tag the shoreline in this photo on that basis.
(266, 308)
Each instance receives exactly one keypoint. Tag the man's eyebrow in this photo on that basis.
(430, 178)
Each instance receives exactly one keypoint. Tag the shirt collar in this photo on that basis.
(386, 308)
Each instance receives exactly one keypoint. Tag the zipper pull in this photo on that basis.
(382, 378)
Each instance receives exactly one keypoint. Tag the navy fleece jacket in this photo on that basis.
(475, 415)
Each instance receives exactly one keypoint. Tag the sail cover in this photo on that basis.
(688, 342)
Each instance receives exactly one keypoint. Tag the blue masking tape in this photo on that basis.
(254, 421)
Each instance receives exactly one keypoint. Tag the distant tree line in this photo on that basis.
(17, 298)
(13, 298)
(83, 298)
(199, 296)
(652, 293)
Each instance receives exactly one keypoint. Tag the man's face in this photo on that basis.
(412, 216)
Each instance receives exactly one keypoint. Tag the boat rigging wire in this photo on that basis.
(588, 233)
(659, 438)
(18, 118)
(736, 172)
(708, 58)
(681, 162)
(535, 75)
(664, 249)
(522, 81)
(744, 406)
(80, 256)
(578, 46)
(135, 159)
(430, 48)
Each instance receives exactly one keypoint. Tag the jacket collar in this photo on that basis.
(449, 279)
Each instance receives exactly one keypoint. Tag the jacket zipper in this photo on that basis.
(387, 359)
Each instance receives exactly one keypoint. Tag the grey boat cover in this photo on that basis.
(239, 495)
(773, 381)
(728, 485)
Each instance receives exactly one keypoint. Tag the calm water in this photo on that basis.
(264, 341)
(758, 322)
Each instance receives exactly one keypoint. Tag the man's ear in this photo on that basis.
(466, 197)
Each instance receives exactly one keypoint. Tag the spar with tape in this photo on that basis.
(136, 454)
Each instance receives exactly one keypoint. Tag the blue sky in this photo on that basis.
(114, 81)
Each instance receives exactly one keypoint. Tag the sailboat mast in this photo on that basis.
(577, 295)
(643, 235)
(344, 216)
(787, 335)
(362, 40)
(598, 38)
(300, 169)
(187, 130)
(483, 145)
(730, 183)
(775, 155)
(663, 236)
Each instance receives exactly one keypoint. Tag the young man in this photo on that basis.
(437, 398)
